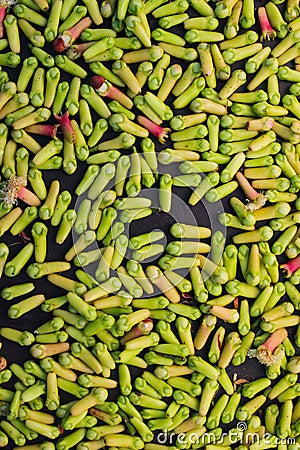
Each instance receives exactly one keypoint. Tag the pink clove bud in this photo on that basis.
(4, 5)
(265, 351)
(267, 31)
(291, 266)
(43, 129)
(96, 82)
(66, 126)
(141, 329)
(106, 89)
(2, 17)
(61, 43)
(76, 51)
(159, 132)
(65, 40)
(15, 189)
(256, 200)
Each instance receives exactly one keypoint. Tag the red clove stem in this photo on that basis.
(291, 266)
(265, 351)
(141, 329)
(65, 40)
(159, 132)
(43, 129)
(2, 17)
(66, 126)
(275, 339)
(267, 31)
(15, 189)
(96, 82)
(105, 88)
(28, 197)
(256, 199)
